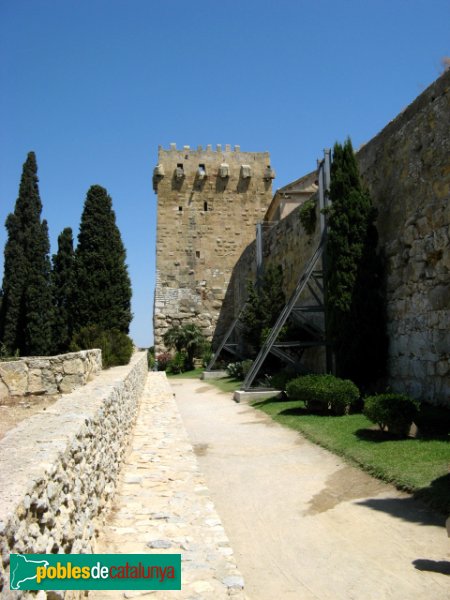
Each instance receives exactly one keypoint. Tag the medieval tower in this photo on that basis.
(209, 202)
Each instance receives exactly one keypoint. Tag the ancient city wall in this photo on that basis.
(58, 470)
(407, 169)
(285, 244)
(48, 374)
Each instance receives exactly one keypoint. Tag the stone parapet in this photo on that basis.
(58, 469)
(48, 374)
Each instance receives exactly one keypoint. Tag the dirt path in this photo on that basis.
(303, 524)
(15, 409)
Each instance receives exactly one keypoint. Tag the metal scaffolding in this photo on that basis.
(312, 279)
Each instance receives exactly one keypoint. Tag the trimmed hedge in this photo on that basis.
(324, 393)
(394, 412)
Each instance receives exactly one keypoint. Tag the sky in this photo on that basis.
(93, 87)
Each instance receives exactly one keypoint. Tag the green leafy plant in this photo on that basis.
(26, 313)
(115, 345)
(178, 363)
(308, 217)
(280, 380)
(324, 393)
(355, 307)
(187, 338)
(239, 370)
(394, 412)
(264, 304)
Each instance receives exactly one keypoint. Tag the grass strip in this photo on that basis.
(417, 465)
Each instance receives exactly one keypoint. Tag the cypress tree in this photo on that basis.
(264, 304)
(103, 288)
(63, 289)
(26, 312)
(355, 287)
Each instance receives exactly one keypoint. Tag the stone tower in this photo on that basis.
(209, 202)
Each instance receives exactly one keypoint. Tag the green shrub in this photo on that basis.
(280, 380)
(235, 370)
(115, 345)
(308, 216)
(239, 370)
(396, 412)
(178, 363)
(151, 358)
(207, 355)
(324, 393)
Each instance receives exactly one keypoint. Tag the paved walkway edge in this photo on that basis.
(162, 505)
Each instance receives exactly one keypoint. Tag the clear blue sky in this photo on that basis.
(94, 86)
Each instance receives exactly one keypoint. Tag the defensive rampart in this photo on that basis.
(407, 169)
(58, 469)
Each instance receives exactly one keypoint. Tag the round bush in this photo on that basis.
(324, 393)
(115, 345)
(394, 412)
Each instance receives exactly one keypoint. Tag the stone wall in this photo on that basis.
(204, 223)
(48, 374)
(58, 470)
(285, 244)
(407, 169)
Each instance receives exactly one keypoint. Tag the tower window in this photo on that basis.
(197, 253)
(205, 206)
(180, 209)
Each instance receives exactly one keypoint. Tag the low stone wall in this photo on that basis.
(58, 469)
(48, 374)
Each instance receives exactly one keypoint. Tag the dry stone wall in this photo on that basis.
(48, 374)
(58, 470)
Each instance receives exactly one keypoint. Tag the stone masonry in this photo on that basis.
(58, 469)
(62, 373)
(209, 202)
(407, 169)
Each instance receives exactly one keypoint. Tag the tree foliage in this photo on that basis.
(26, 311)
(103, 288)
(264, 303)
(355, 286)
(63, 274)
(186, 338)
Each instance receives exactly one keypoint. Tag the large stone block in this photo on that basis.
(14, 375)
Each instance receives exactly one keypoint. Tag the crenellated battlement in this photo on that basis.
(219, 149)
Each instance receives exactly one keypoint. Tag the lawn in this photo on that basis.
(225, 384)
(193, 374)
(418, 465)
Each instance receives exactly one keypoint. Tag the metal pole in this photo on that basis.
(325, 185)
(259, 253)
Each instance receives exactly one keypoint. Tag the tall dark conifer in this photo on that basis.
(26, 312)
(103, 288)
(63, 274)
(355, 287)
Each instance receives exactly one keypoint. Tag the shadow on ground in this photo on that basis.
(435, 566)
(407, 509)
